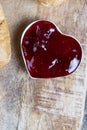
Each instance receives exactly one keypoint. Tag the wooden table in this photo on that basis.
(53, 104)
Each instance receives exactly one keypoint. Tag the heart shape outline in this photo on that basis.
(67, 35)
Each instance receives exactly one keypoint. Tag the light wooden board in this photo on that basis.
(53, 104)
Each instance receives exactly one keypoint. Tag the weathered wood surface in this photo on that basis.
(54, 104)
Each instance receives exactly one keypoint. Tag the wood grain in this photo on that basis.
(54, 104)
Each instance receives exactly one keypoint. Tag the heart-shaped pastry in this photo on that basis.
(47, 52)
(51, 2)
(5, 46)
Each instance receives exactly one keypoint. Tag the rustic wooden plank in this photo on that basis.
(27, 104)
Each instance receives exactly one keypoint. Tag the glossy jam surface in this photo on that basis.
(48, 53)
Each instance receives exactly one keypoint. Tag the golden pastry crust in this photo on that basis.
(5, 48)
(51, 2)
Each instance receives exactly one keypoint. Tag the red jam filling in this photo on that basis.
(48, 53)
